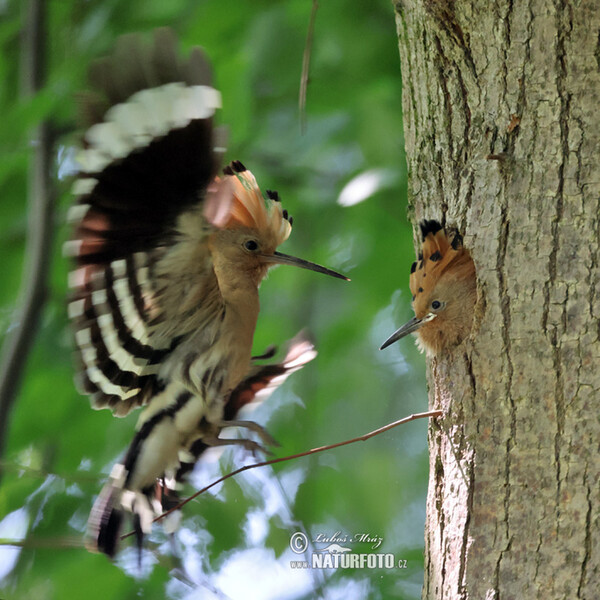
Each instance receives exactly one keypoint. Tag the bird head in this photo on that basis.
(444, 291)
(249, 227)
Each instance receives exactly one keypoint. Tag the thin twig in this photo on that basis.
(33, 292)
(362, 438)
(306, 66)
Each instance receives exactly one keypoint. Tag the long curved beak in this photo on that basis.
(278, 258)
(413, 325)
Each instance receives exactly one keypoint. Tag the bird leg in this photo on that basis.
(210, 435)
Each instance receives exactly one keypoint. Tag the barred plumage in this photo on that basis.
(169, 259)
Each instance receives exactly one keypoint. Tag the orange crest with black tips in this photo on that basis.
(439, 254)
(235, 200)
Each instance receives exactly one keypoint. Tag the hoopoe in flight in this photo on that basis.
(169, 257)
(444, 291)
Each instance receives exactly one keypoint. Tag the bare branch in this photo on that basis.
(362, 438)
(41, 209)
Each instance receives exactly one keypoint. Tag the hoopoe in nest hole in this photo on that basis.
(444, 291)
(169, 257)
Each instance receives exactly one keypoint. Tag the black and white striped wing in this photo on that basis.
(147, 159)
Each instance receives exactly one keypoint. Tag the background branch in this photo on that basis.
(39, 237)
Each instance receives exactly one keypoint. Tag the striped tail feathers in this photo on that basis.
(106, 520)
(108, 514)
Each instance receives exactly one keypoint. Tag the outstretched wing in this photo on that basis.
(143, 269)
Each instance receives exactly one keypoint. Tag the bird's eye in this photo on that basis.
(436, 305)
(251, 245)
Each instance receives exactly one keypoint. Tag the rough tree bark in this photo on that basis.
(502, 108)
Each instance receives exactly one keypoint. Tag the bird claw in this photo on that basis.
(255, 448)
(249, 445)
(262, 433)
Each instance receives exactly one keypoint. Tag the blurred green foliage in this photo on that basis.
(234, 540)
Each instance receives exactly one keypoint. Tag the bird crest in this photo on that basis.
(236, 201)
(438, 252)
(444, 288)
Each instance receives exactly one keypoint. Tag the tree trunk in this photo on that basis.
(502, 108)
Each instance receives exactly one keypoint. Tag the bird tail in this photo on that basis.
(105, 522)
(108, 513)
